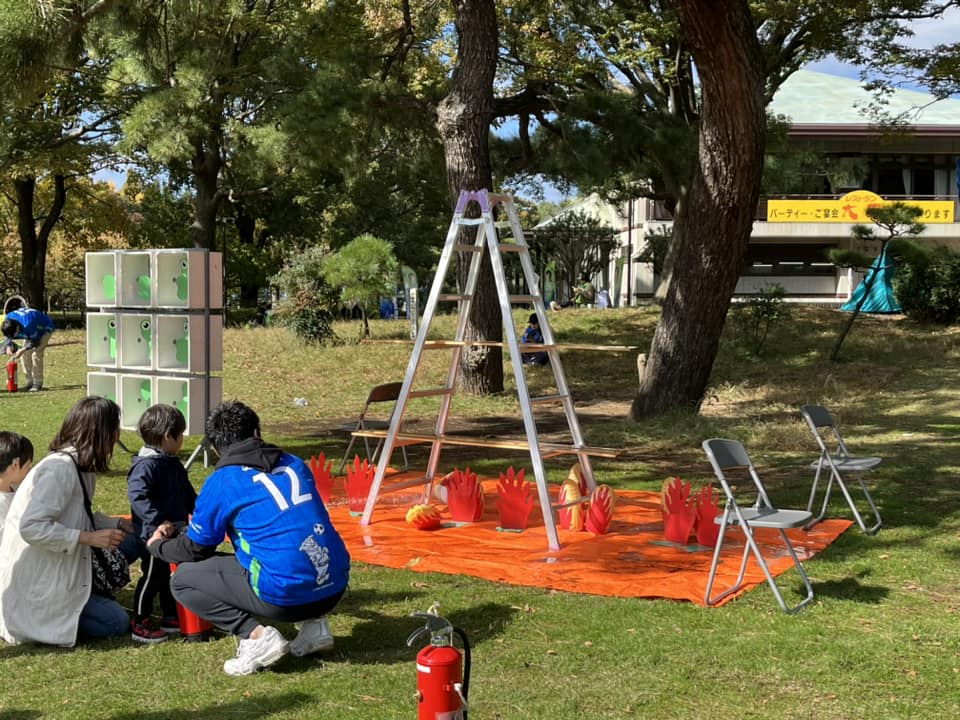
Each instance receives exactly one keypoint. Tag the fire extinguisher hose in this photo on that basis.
(466, 665)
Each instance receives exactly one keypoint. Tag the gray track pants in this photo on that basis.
(218, 589)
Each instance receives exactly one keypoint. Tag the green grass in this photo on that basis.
(880, 640)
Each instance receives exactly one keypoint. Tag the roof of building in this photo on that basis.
(814, 98)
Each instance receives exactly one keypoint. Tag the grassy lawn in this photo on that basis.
(880, 640)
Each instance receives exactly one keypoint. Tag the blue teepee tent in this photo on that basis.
(881, 298)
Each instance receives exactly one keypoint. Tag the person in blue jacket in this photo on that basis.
(290, 564)
(35, 328)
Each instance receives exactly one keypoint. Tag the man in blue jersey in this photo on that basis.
(290, 564)
(35, 328)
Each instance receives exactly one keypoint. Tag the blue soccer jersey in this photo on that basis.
(279, 528)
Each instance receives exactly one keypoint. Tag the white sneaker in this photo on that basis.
(255, 654)
(314, 636)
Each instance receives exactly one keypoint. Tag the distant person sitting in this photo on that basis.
(35, 328)
(533, 335)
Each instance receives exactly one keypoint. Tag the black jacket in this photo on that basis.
(159, 491)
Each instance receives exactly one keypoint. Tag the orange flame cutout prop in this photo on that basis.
(600, 513)
(359, 479)
(322, 475)
(424, 517)
(708, 507)
(679, 510)
(571, 518)
(514, 500)
(464, 496)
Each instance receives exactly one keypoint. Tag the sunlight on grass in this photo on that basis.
(880, 639)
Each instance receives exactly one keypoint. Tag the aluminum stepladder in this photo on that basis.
(487, 239)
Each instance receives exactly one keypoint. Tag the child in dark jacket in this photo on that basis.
(159, 492)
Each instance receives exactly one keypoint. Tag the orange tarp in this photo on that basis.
(632, 560)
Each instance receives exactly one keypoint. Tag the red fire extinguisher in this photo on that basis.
(443, 674)
(12, 376)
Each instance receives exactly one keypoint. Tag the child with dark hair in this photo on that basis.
(533, 335)
(160, 492)
(16, 457)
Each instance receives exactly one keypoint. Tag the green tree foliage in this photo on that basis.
(308, 304)
(578, 244)
(365, 269)
(927, 283)
(897, 220)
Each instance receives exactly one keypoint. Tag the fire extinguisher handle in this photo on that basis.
(416, 634)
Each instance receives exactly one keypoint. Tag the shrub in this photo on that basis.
(927, 283)
(308, 305)
(753, 318)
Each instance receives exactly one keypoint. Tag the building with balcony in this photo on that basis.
(862, 165)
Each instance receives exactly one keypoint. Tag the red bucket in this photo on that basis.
(193, 628)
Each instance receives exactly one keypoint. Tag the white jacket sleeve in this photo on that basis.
(53, 490)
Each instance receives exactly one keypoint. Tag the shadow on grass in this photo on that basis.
(851, 589)
(266, 706)
(381, 638)
(19, 714)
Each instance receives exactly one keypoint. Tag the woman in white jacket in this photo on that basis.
(45, 557)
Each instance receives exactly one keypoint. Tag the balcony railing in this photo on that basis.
(661, 214)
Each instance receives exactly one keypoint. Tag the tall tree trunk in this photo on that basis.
(715, 219)
(246, 235)
(463, 119)
(33, 261)
(206, 164)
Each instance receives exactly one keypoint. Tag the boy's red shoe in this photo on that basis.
(170, 625)
(146, 631)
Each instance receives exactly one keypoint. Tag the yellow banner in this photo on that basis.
(851, 208)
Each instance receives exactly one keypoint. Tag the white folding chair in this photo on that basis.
(387, 393)
(835, 456)
(725, 455)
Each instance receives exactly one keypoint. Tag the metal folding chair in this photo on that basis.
(835, 456)
(725, 455)
(387, 393)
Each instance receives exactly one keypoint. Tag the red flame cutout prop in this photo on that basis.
(600, 513)
(464, 496)
(679, 510)
(570, 518)
(322, 475)
(514, 500)
(708, 507)
(359, 479)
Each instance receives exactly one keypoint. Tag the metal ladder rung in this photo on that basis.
(402, 484)
(470, 221)
(548, 399)
(431, 392)
(450, 297)
(578, 501)
(462, 247)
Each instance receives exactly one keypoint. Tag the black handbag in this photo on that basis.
(111, 572)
